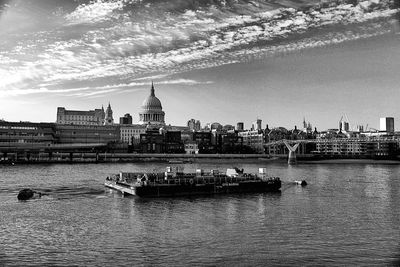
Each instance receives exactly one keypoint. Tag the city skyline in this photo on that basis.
(226, 64)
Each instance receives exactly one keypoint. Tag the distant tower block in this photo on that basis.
(292, 152)
(240, 126)
(256, 126)
(387, 124)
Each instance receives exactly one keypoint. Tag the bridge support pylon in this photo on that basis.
(292, 152)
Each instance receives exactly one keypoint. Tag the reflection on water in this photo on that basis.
(347, 215)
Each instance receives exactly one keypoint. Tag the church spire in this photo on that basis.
(108, 120)
(152, 89)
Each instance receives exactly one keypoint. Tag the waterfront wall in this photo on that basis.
(121, 157)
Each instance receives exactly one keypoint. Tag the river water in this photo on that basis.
(347, 215)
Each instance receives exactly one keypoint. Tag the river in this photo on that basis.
(348, 214)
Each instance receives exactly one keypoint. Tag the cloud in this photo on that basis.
(116, 47)
(94, 12)
(90, 91)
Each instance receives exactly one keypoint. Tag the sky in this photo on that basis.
(223, 61)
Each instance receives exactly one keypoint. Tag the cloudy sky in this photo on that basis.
(212, 60)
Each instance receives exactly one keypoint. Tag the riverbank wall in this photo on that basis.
(126, 157)
(75, 157)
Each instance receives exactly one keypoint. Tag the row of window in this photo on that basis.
(133, 131)
(21, 134)
(18, 127)
(81, 122)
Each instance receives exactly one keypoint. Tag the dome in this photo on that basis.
(152, 113)
(152, 102)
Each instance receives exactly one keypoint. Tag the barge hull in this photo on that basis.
(196, 189)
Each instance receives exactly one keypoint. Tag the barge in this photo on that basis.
(178, 183)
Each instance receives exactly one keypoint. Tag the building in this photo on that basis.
(161, 141)
(109, 120)
(204, 142)
(87, 134)
(34, 138)
(191, 147)
(240, 126)
(173, 142)
(230, 143)
(152, 113)
(130, 133)
(215, 126)
(78, 117)
(256, 126)
(194, 125)
(387, 124)
(357, 147)
(253, 139)
(307, 127)
(228, 127)
(151, 142)
(344, 126)
(126, 119)
(28, 135)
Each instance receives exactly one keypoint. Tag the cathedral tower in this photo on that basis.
(108, 120)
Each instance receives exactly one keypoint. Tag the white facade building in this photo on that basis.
(130, 133)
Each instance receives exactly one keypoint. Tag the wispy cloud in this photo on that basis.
(94, 12)
(90, 91)
(107, 46)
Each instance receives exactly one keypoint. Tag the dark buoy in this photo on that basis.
(27, 193)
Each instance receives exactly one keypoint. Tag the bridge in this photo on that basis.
(338, 145)
(333, 140)
(291, 145)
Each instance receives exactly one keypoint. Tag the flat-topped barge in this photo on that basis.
(177, 183)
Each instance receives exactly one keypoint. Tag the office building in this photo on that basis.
(194, 125)
(387, 124)
(240, 126)
(126, 119)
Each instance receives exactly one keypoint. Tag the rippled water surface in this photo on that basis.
(347, 215)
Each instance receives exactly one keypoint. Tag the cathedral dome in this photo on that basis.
(152, 102)
(152, 112)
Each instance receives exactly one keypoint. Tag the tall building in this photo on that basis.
(152, 112)
(307, 127)
(79, 117)
(109, 120)
(126, 119)
(256, 126)
(194, 125)
(387, 124)
(240, 126)
(344, 125)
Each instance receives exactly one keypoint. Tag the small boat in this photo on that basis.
(177, 183)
